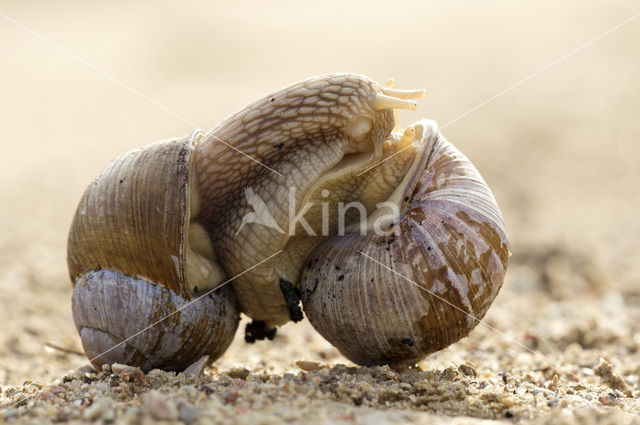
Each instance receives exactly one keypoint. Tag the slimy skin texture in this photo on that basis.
(303, 132)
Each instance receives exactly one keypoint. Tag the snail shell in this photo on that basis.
(427, 281)
(134, 257)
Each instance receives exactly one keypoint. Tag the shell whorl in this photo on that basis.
(425, 283)
(130, 321)
(136, 258)
(133, 217)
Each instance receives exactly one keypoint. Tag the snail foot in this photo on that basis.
(257, 330)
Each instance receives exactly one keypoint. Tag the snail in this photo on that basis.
(312, 195)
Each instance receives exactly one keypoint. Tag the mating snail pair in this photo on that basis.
(396, 248)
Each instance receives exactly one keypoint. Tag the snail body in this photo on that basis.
(181, 226)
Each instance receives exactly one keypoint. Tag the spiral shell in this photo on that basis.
(131, 321)
(427, 282)
(134, 260)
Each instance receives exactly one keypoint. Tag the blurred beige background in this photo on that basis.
(560, 151)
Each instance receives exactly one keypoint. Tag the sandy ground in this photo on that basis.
(560, 152)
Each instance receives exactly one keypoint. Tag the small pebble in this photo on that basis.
(75, 385)
(309, 365)
(188, 414)
(605, 370)
(467, 370)
(58, 389)
(99, 409)
(449, 374)
(196, 370)
(159, 407)
(85, 369)
(554, 383)
(507, 401)
(118, 368)
(134, 374)
(608, 399)
(156, 373)
(239, 372)
(252, 377)
(230, 395)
